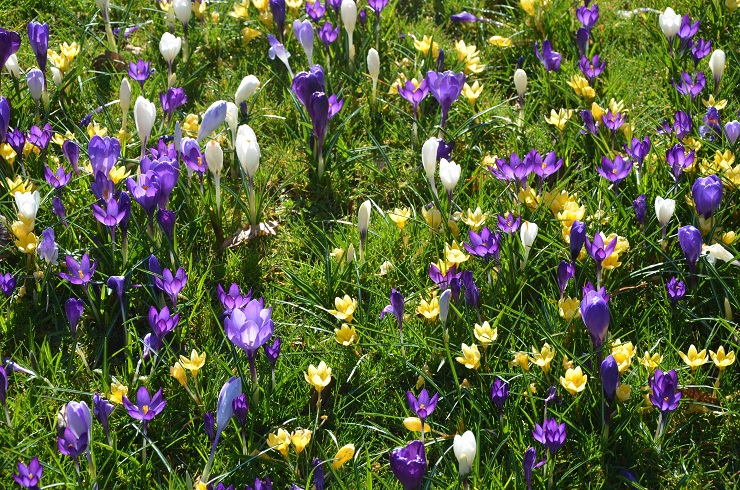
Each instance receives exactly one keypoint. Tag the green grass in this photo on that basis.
(371, 155)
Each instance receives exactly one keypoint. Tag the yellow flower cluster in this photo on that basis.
(470, 356)
(471, 56)
(27, 201)
(543, 357)
(623, 354)
(117, 392)
(429, 309)
(724, 165)
(559, 118)
(425, 44)
(345, 308)
(399, 216)
(485, 334)
(581, 87)
(7, 153)
(67, 54)
(574, 380)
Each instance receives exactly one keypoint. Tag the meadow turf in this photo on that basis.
(372, 154)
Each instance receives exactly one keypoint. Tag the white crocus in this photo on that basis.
(232, 118)
(28, 205)
(363, 223)
(717, 251)
(664, 209)
(449, 174)
(215, 161)
(169, 46)
(717, 65)
(520, 82)
(124, 100)
(56, 76)
(669, 22)
(13, 67)
(465, 448)
(349, 19)
(373, 68)
(183, 9)
(429, 160)
(248, 151)
(247, 88)
(527, 233)
(145, 112)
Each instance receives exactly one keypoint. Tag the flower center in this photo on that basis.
(145, 409)
(80, 273)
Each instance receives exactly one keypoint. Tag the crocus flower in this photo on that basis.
(424, 405)
(102, 409)
(640, 207)
(171, 284)
(707, 194)
(144, 116)
(147, 407)
(409, 464)
(140, 71)
(682, 124)
(700, 50)
(687, 30)
(230, 391)
(609, 376)
(414, 94)
(712, 127)
(679, 159)
(484, 244)
(192, 156)
(566, 271)
(10, 41)
(598, 250)
(395, 308)
(303, 32)
(690, 240)
(550, 434)
(29, 476)
(465, 448)
(57, 179)
(732, 130)
(162, 322)
(328, 34)
(465, 16)
(676, 290)
(40, 137)
(79, 272)
(209, 425)
(545, 167)
(7, 284)
(233, 299)
(717, 66)
(595, 315)
(508, 223)
(583, 37)
(214, 117)
(166, 219)
(73, 308)
(145, 190)
(115, 211)
(615, 170)
(588, 17)
(446, 87)
(549, 58)
(4, 112)
(172, 100)
(529, 463)
(35, 81)
(520, 83)
(272, 352)
(278, 14)
(664, 390)
(315, 10)
(249, 328)
(638, 150)
(691, 86)
(38, 37)
(592, 68)
(377, 6)
(669, 23)
(277, 50)
(48, 249)
(71, 151)
(499, 393)
(241, 409)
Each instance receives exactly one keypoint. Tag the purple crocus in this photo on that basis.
(547, 166)
(172, 100)
(318, 111)
(700, 50)
(443, 281)
(550, 434)
(638, 150)
(707, 194)
(691, 86)
(516, 169)
(73, 309)
(640, 207)
(550, 59)
(79, 423)
(272, 352)
(682, 124)
(679, 159)
(712, 127)
(691, 242)
(57, 207)
(577, 239)
(676, 290)
(423, 406)
(240, 406)
(395, 308)
(171, 284)
(48, 250)
(29, 476)
(595, 315)
(40, 137)
(615, 170)
(104, 153)
(414, 94)
(592, 68)
(102, 409)
(277, 7)
(79, 272)
(409, 464)
(162, 322)
(10, 41)
(71, 151)
(609, 376)
(209, 426)
(446, 87)
(499, 395)
(71, 445)
(303, 32)
(472, 293)
(732, 130)
(17, 140)
(192, 156)
(529, 464)
(583, 37)
(145, 190)
(664, 391)
(233, 299)
(377, 6)
(484, 245)
(566, 270)
(687, 30)
(56, 179)
(465, 17)
(114, 212)
(315, 10)
(598, 250)
(249, 328)
(613, 120)
(4, 110)
(590, 124)
(508, 223)
(328, 34)
(588, 17)
(147, 407)
(140, 71)
(38, 37)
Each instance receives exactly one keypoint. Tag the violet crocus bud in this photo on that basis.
(303, 31)
(209, 425)
(595, 315)
(640, 207)
(566, 271)
(240, 406)
(35, 82)
(577, 239)
(690, 240)
(609, 376)
(73, 308)
(499, 393)
(409, 464)
(707, 194)
(214, 117)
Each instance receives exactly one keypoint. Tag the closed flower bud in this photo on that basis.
(214, 157)
(520, 82)
(124, 95)
(429, 160)
(449, 174)
(169, 46)
(664, 209)
(35, 82)
(12, 66)
(465, 448)
(717, 65)
(183, 9)
(247, 88)
(144, 115)
(248, 150)
(56, 76)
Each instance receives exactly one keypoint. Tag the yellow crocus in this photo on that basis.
(7, 153)
(178, 373)
(597, 111)
(570, 212)
(732, 5)
(117, 174)
(543, 357)
(569, 308)
(453, 254)
(27, 243)
(399, 216)
(574, 380)
(651, 361)
(194, 363)
(521, 359)
(470, 356)
(300, 439)
(343, 455)
(279, 442)
(717, 104)
(428, 309)
(95, 129)
(261, 5)
(559, 118)
(728, 237)
(346, 336)
(117, 392)
(529, 198)
(240, 10)
(623, 354)
(722, 360)
(414, 424)
(503, 42)
(473, 65)
(567, 364)
(432, 217)
(425, 44)
(556, 200)
(694, 358)
(337, 253)
(465, 51)
(318, 377)
(475, 219)
(528, 6)
(581, 87)
(190, 126)
(485, 334)
(345, 308)
(624, 392)
(472, 92)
